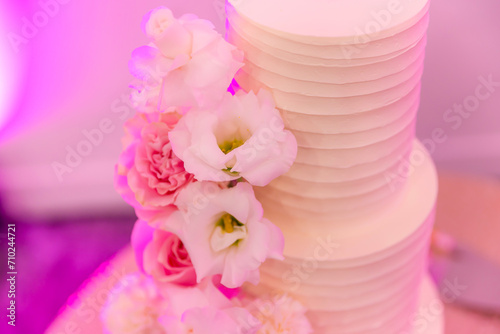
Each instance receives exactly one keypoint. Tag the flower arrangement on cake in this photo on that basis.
(192, 154)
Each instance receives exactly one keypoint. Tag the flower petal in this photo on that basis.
(142, 234)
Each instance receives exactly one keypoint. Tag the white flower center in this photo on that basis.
(228, 231)
(231, 134)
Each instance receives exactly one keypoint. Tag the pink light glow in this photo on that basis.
(10, 65)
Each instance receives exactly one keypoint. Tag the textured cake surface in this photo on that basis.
(362, 278)
(357, 206)
(352, 107)
(327, 19)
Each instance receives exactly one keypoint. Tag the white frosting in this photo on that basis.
(320, 174)
(352, 47)
(368, 282)
(353, 118)
(330, 105)
(351, 100)
(328, 22)
(352, 122)
(329, 83)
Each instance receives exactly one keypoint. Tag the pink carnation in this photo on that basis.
(134, 306)
(149, 175)
(162, 255)
(280, 314)
(186, 64)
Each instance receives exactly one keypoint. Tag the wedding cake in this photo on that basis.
(300, 202)
(357, 206)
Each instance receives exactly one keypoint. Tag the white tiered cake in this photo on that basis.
(299, 202)
(357, 206)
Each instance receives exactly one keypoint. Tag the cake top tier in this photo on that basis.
(333, 20)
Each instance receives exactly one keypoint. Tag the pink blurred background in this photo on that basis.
(68, 76)
(59, 80)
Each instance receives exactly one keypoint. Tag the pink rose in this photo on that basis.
(173, 70)
(162, 255)
(149, 175)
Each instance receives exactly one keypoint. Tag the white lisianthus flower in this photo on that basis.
(168, 33)
(224, 232)
(134, 307)
(243, 137)
(187, 64)
(280, 315)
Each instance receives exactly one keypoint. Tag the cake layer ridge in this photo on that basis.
(290, 61)
(364, 277)
(326, 193)
(362, 46)
(322, 189)
(346, 60)
(347, 140)
(329, 210)
(357, 206)
(352, 122)
(354, 307)
(321, 88)
(390, 94)
(416, 198)
(321, 174)
(354, 273)
(358, 190)
(327, 105)
(334, 73)
(314, 24)
(351, 156)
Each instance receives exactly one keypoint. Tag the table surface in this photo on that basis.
(468, 208)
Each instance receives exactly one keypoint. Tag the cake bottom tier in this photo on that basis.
(364, 278)
(429, 319)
